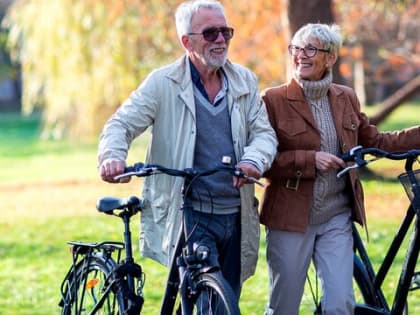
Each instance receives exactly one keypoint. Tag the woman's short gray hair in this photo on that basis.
(186, 11)
(328, 35)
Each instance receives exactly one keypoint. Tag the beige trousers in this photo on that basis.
(330, 246)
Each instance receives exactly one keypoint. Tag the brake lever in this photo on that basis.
(128, 174)
(254, 180)
(346, 169)
(239, 173)
(138, 173)
(359, 163)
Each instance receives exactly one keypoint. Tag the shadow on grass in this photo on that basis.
(369, 175)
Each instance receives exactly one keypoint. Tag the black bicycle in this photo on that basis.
(100, 282)
(368, 283)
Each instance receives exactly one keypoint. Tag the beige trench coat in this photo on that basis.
(165, 102)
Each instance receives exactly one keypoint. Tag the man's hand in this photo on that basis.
(249, 170)
(111, 168)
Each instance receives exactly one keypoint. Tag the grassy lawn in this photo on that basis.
(48, 192)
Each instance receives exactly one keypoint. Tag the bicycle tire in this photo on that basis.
(86, 284)
(214, 296)
(370, 302)
(364, 285)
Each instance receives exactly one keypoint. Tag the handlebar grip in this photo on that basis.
(240, 174)
(351, 155)
(134, 168)
(346, 157)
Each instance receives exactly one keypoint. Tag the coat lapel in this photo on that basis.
(338, 105)
(180, 73)
(298, 103)
(337, 102)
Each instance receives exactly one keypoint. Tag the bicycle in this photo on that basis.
(115, 286)
(97, 281)
(368, 283)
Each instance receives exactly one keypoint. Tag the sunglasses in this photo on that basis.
(210, 34)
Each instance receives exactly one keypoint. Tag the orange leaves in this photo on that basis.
(259, 40)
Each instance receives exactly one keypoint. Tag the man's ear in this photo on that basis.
(185, 40)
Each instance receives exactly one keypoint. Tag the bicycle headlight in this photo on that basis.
(202, 252)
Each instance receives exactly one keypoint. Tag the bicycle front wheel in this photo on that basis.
(88, 288)
(368, 300)
(213, 296)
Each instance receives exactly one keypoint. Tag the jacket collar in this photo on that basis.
(336, 98)
(180, 72)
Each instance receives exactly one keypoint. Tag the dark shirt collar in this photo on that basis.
(195, 76)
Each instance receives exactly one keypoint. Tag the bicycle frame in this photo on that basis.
(407, 270)
(183, 268)
(409, 264)
(190, 271)
(188, 261)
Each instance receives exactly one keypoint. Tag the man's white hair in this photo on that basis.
(188, 9)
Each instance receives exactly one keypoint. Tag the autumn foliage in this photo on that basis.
(81, 58)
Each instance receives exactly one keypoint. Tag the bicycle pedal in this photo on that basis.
(415, 281)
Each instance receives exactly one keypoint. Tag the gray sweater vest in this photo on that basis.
(214, 193)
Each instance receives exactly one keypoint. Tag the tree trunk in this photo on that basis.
(395, 100)
(301, 12)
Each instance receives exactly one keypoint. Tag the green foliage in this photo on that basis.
(81, 58)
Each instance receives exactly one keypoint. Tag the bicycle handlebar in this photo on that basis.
(144, 170)
(358, 153)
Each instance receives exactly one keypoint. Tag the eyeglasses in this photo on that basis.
(309, 51)
(210, 34)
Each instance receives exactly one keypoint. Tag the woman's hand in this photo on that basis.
(326, 161)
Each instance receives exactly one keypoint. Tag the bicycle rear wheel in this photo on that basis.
(88, 286)
(213, 296)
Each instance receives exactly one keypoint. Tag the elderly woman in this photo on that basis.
(307, 211)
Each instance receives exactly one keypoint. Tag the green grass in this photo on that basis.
(48, 192)
(404, 116)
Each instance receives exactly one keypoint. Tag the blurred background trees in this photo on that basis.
(80, 59)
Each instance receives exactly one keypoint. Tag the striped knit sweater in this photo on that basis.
(329, 195)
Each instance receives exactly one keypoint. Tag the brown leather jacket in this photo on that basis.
(288, 195)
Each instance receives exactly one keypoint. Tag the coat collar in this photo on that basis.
(180, 72)
(336, 96)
